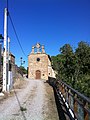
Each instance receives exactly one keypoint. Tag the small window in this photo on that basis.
(38, 59)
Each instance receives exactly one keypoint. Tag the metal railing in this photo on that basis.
(1, 82)
(78, 103)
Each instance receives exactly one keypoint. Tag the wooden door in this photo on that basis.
(38, 74)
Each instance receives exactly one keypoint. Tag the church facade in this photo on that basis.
(39, 64)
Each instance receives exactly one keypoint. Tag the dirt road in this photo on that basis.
(33, 101)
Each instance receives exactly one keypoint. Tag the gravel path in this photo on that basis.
(35, 101)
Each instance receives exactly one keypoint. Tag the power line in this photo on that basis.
(16, 35)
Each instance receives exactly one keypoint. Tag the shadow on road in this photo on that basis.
(21, 108)
(60, 110)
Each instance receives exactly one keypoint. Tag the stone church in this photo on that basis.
(39, 64)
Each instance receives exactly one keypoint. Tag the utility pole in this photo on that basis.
(5, 53)
(10, 77)
(1, 37)
(8, 83)
(1, 41)
(8, 52)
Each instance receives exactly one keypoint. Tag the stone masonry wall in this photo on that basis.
(41, 65)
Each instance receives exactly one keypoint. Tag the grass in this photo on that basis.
(22, 108)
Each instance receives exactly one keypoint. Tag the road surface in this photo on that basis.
(34, 101)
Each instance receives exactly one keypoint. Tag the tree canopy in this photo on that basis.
(73, 67)
(24, 71)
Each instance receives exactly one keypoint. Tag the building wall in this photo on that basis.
(53, 73)
(34, 65)
(49, 68)
(49, 71)
(39, 64)
(12, 58)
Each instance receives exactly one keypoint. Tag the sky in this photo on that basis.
(52, 23)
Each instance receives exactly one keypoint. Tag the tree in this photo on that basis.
(83, 55)
(57, 65)
(68, 63)
(23, 70)
(74, 67)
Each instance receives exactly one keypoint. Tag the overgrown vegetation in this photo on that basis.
(24, 71)
(73, 67)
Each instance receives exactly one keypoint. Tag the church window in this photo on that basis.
(38, 59)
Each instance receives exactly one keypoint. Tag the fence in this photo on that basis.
(77, 104)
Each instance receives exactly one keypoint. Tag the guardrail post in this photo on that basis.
(85, 112)
(65, 92)
(75, 104)
(77, 101)
(63, 89)
(69, 92)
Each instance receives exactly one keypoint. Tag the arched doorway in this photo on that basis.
(38, 74)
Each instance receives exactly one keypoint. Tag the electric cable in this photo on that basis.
(16, 34)
(8, 15)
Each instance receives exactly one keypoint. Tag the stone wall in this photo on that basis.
(38, 61)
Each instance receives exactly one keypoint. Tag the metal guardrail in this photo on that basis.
(1, 83)
(77, 104)
(77, 101)
(1, 80)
